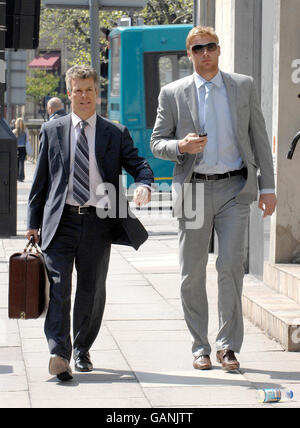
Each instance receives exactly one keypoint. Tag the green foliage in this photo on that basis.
(71, 27)
(159, 12)
(41, 85)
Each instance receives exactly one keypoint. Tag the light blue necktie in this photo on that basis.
(81, 184)
(210, 154)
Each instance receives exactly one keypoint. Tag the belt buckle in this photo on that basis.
(79, 210)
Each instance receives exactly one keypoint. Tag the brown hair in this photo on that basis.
(201, 31)
(81, 72)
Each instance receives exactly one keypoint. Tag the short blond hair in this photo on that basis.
(81, 72)
(201, 31)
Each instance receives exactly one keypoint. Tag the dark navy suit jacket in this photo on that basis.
(114, 150)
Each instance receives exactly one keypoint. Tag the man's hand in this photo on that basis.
(267, 203)
(192, 144)
(34, 233)
(142, 195)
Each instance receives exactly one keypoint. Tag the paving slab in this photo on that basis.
(14, 400)
(200, 396)
(191, 378)
(145, 325)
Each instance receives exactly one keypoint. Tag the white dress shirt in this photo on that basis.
(97, 188)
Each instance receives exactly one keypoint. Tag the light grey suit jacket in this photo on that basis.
(177, 115)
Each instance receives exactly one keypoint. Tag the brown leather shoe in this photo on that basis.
(228, 360)
(202, 362)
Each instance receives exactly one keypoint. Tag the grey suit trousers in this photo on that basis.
(214, 202)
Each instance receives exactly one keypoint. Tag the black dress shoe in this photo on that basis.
(83, 363)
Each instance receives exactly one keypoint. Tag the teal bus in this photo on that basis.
(142, 59)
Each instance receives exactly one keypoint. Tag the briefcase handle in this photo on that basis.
(30, 245)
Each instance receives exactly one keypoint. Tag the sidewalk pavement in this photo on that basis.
(142, 356)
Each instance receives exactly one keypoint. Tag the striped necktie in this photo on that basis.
(81, 179)
(210, 155)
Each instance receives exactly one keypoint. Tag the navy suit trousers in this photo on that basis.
(86, 241)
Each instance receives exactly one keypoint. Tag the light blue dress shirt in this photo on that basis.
(229, 158)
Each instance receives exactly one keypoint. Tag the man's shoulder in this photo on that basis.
(237, 77)
(178, 84)
(111, 125)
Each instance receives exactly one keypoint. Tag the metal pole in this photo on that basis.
(8, 86)
(206, 12)
(2, 55)
(8, 182)
(95, 39)
(196, 12)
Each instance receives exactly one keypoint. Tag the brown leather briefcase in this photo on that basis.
(26, 283)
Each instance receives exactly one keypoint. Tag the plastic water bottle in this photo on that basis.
(274, 395)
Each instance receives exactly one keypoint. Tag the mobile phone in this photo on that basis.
(203, 134)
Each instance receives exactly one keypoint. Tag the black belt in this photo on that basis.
(208, 177)
(79, 210)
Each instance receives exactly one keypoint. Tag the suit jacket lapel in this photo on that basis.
(231, 88)
(101, 143)
(63, 134)
(192, 102)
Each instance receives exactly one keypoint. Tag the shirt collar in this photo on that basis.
(200, 81)
(91, 120)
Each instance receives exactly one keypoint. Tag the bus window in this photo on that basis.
(184, 65)
(115, 67)
(161, 68)
(165, 70)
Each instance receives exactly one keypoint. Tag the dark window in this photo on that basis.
(115, 107)
(161, 68)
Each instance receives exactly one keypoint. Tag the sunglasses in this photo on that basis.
(199, 49)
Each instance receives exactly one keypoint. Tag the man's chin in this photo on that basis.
(85, 113)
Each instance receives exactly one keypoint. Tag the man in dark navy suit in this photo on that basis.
(71, 203)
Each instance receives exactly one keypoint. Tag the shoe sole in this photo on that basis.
(65, 376)
(207, 367)
(59, 367)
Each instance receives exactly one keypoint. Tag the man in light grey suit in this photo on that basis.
(211, 125)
